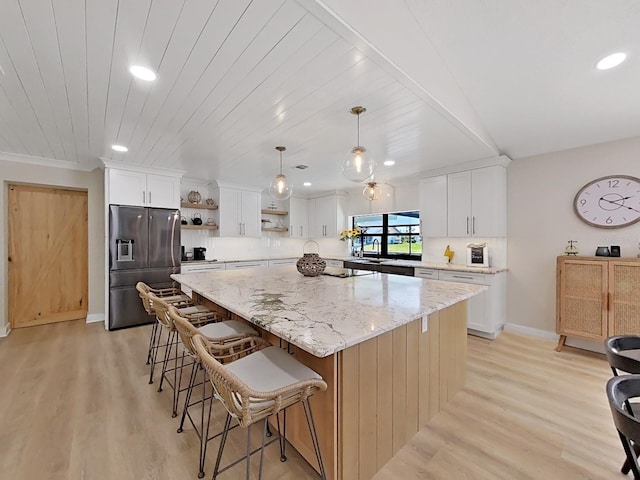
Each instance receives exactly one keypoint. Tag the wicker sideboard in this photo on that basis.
(597, 297)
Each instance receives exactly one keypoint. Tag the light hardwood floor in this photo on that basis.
(75, 404)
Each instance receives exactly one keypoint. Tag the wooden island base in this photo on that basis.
(380, 392)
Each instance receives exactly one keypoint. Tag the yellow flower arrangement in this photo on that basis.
(349, 234)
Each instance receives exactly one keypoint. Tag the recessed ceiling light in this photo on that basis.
(388, 163)
(611, 61)
(119, 148)
(143, 73)
(307, 184)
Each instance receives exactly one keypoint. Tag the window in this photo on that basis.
(389, 235)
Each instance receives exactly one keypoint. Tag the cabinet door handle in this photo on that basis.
(149, 197)
(467, 225)
(143, 197)
(462, 276)
(301, 230)
(473, 225)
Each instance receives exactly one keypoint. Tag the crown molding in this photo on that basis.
(47, 162)
(142, 168)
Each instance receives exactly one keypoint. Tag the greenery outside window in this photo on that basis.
(388, 235)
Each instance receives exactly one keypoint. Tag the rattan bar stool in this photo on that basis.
(225, 343)
(171, 295)
(197, 315)
(257, 386)
(619, 391)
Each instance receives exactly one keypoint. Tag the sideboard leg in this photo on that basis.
(561, 340)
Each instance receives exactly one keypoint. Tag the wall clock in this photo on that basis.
(609, 202)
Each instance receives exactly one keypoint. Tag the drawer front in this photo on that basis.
(201, 268)
(463, 277)
(335, 263)
(425, 273)
(240, 265)
(282, 261)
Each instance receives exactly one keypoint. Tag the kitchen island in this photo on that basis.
(392, 350)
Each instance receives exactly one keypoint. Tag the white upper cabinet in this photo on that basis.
(433, 206)
(239, 213)
(477, 203)
(326, 216)
(298, 217)
(129, 187)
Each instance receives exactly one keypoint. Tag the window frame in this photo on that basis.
(384, 237)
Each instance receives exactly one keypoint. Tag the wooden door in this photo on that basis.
(624, 297)
(48, 255)
(582, 298)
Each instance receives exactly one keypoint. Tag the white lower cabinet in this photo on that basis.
(486, 312)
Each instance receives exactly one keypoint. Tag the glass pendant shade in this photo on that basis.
(372, 191)
(359, 165)
(279, 188)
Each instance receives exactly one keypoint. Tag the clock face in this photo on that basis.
(609, 202)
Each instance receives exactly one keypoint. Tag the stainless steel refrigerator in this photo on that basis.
(144, 245)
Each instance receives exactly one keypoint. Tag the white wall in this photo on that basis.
(14, 172)
(541, 220)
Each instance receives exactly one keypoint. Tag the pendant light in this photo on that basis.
(279, 188)
(373, 191)
(358, 166)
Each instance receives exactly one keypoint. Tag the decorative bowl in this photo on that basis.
(210, 201)
(194, 197)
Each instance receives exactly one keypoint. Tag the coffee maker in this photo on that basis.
(199, 253)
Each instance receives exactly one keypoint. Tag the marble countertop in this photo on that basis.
(324, 315)
(403, 263)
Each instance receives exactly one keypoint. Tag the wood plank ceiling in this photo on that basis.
(235, 79)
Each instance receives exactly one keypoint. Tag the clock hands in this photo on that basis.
(616, 202)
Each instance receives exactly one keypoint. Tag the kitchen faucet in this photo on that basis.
(376, 242)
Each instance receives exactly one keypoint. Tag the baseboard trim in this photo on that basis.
(534, 332)
(4, 332)
(571, 342)
(95, 317)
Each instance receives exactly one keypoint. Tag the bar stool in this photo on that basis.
(619, 391)
(223, 340)
(196, 314)
(256, 387)
(171, 295)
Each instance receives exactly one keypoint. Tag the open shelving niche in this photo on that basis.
(281, 213)
(199, 206)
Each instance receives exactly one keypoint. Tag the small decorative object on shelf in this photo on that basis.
(210, 201)
(615, 250)
(194, 197)
(603, 252)
(197, 219)
(311, 265)
(183, 221)
(211, 221)
(571, 248)
(272, 206)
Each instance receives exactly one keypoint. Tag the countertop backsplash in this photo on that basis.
(267, 246)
